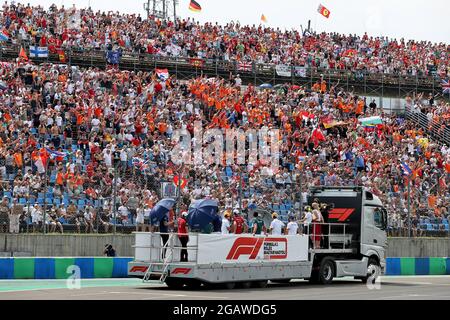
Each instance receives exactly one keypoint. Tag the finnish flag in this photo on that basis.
(38, 52)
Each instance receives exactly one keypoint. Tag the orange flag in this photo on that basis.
(23, 54)
(263, 18)
(323, 11)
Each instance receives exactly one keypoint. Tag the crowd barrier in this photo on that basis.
(417, 266)
(56, 268)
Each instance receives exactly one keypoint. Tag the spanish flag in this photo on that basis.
(263, 19)
(194, 6)
(62, 55)
(323, 11)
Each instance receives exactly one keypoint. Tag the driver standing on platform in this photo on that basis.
(183, 236)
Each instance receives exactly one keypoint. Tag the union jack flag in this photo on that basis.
(445, 86)
(140, 164)
(245, 66)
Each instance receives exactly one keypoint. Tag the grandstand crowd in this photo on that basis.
(85, 29)
(73, 141)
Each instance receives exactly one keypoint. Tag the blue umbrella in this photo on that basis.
(160, 210)
(265, 86)
(201, 213)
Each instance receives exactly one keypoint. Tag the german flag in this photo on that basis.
(194, 6)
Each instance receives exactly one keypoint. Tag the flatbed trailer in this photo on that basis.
(352, 248)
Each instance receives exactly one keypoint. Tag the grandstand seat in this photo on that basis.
(41, 195)
(444, 221)
(32, 201)
(57, 201)
(81, 202)
(436, 227)
(7, 194)
(22, 201)
(429, 227)
(62, 220)
(446, 227)
(275, 207)
(81, 207)
(427, 221)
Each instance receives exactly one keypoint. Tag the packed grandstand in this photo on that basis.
(86, 149)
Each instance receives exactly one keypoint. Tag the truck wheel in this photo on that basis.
(175, 284)
(373, 271)
(326, 271)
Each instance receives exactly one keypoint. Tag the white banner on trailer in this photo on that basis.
(217, 248)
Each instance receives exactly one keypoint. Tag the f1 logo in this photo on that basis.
(181, 271)
(341, 214)
(139, 269)
(245, 246)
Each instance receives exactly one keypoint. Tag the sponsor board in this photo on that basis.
(232, 248)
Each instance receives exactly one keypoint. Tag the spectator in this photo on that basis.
(276, 226)
(109, 251)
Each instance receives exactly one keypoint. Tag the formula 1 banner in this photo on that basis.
(217, 248)
(283, 70)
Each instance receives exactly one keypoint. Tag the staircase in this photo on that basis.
(165, 264)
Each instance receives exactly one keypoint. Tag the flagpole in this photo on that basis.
(45, 195)
(409, 207)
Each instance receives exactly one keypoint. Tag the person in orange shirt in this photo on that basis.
(323, 86)
(360, 107)
(162, 127)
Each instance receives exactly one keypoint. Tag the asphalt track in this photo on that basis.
(390, 288)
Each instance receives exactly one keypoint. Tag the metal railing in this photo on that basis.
(436, 130)
(259, 73)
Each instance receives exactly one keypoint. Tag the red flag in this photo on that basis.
(317, 136)
(182, 184)
(323, 11)
(62, 55)
(23, 54)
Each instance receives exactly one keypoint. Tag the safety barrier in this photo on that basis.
(93, 267)
(417, 266)
(58, 268)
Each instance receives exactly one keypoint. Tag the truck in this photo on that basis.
(353, 244)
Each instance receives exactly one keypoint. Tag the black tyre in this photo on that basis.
(174, 284)
(326, 271)
(373, 271)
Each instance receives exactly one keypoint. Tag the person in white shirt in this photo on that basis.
(276, 226)
(226, 225)
(124, 213)
(292, 227)
(140, 219)
(307, 219)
